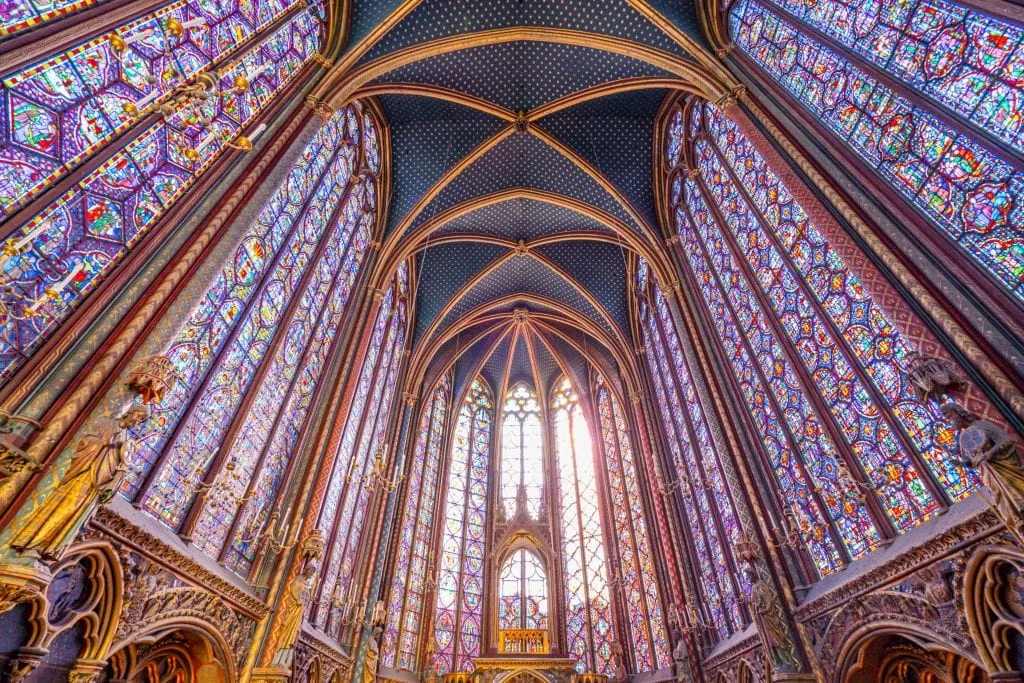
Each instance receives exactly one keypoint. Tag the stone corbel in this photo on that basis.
(24, 663)
(15, 431)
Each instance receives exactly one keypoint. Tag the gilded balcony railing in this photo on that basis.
(522, 641)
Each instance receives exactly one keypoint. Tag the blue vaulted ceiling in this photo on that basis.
(551, 137)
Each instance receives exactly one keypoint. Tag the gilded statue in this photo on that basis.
(988, 448)
(97, 467)
(292, 608)
(372, 656)
(779, 648)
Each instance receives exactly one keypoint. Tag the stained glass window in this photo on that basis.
(57, 114)
(319, 175)
(912, 88)
(354, 449)
(815, 358)
(523, 592)
(636, 573)
(588, 610)
(460, 574)
(405, 602)
(299, 259)
(706, 500)
(522, 452)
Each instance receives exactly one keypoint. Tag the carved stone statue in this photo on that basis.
(97, 467)
(372, 656)
(779, 648)
(292, 608)
(681, 658)
(992, 451)
(931, 376)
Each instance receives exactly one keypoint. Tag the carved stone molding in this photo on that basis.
(111, 523)
(978, 526)
(332, 660)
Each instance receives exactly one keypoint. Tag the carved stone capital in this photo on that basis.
(409, 398)
(636, 397)
(723, 51)
(321, 60)
(24, 662)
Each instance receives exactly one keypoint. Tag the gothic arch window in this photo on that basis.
(251, 354)
(588, 610)
(927, 94)
(522, 452)
(460, 580)
(636, 576)
(706, 501)
(65, 111)
(406, 601)
(523, 592)
(355, 449)
(855, 457)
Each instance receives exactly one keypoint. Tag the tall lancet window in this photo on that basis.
(405, 603)
(926, 93)
(636, 572)
(460, 577)
(522, 453)
(79, 105)
(523, 592)
(588, 612)
(856, 457)
(706, 502)
(251, 354)
(353, 450)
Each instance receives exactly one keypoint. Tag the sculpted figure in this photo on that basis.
(292, 607)
(931, 376)
(992, 451)
(97, 467)
(372, 656)
(771, 626)
(681, 658)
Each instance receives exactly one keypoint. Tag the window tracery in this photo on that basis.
(856, 458)
(460, 579)
(588, 610)
(59, 113)
(522, 452)
(637, 577)
(353, 452)
(523, 592)
(927, 94)
(406, 605)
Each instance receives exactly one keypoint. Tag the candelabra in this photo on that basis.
(205, 88)
(376, 478)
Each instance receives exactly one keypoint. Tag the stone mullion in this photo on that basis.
(697, 468)
(947, 289)
(584, 569)
(199, 502)
(670, 527)
(265, 277)
(919, 99)
(883, 523)
(118, 141)
(884, 288)
(704, 344)
(350, 356)
(353, 485)
(854, 361)
(631, 523)
(333, 454)
(374, 547)
(412, 402)
(432, 550)
(783, 424)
